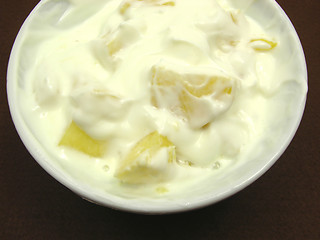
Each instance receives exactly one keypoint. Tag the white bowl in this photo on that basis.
(269, 14)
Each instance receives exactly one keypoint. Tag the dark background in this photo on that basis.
(282, 204)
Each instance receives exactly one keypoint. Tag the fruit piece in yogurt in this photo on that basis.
(124, 7)
(148, 160)
(74, 137)
(261, 44)
(196, 97)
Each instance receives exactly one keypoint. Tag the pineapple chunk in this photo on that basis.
(141, 166)
(195, 97)
(77, 139)
(234, 18)
(124, 7)
(262, 44)
(170, 3)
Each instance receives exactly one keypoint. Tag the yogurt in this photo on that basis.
(148, 96)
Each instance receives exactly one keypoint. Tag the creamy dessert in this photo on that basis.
(147, 94)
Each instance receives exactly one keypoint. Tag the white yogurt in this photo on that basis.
(92, 64)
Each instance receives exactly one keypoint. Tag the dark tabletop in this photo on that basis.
(283, 204)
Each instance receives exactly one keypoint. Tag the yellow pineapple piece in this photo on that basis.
(202, 85)
(234, 18)
(171, 4)
(198, 85)
(124, 7)
(261, 44)
(187, 94)
(139, 165)
(78, 139)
